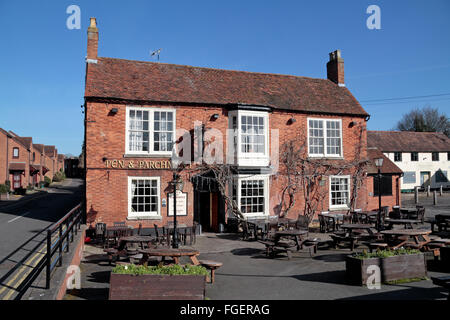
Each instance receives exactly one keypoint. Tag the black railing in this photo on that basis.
(58, 239)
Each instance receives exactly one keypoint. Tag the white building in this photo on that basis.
(424, 157)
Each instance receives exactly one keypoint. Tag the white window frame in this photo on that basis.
(151, 112)
(324, 128)
(340, 206)
(249, 158)
(265, 177)
(150, 214)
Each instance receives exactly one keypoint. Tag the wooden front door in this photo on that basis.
(17, 180)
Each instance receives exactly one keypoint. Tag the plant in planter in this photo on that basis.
(173, 282)
(4, 192)
(400, 264)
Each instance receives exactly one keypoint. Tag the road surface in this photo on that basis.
(22, 228)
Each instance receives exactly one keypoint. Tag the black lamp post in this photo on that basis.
(379, 164)
(175, 163)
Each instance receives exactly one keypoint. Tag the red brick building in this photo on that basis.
(390, 181)
(24, 163)
(136, 112)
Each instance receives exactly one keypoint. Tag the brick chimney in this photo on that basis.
(92, 45)
(335, 68)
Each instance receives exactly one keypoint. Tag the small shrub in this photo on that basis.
(59, 176)
(8, 184)
(385, 253)
(30, 187)
(47, 181)
(4, 188)
(174, 269)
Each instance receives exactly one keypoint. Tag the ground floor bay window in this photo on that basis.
(143, 197)
(252, 194)
(339, 192)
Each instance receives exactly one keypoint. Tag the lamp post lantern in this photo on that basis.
(379, 164)
(175, 164)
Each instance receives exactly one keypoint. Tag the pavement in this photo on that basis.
(22, 226)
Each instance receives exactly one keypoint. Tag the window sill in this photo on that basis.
(339, 208)
(326, 157)
(147, 155)
(145, 218)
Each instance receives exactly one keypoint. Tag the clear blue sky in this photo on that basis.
(42, 66)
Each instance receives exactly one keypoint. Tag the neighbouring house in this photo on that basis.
(50, 160)
(424, 157)
(60, 166)
(73, 167)
(137, 113)
(390, 181)
(24, 163)
(41, 160)
(15, 160)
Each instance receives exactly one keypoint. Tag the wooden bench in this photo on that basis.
(377, 246)
(212, 266)
(337, 239)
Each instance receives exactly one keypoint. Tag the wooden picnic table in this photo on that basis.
(295, 234)
(175, 254)
(406, 222)
(357, 226)
(419, 236)
(141, 240)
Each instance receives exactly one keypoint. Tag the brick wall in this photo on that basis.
(393, 200)
(3, 154)
(24, 157)
(107, 189)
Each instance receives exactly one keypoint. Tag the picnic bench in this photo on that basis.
(175, 254)
(442, 221)
(408, 223)
(353, 233)
(397, 238)
(288, 241)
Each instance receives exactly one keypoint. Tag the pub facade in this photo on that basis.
(137, 113)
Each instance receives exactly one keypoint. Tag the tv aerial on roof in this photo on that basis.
(156, 53)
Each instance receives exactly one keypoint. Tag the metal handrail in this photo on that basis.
(64, 230)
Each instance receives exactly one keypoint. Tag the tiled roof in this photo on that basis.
(39, 147)
(159, 82)
(408, 141)
(27, 141)
(49, 151)
(387, 167)
(61, 157)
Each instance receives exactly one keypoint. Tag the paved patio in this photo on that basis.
(248, 274)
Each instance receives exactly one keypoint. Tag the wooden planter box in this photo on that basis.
(4, 196)
(156, 287)
(392, 268)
